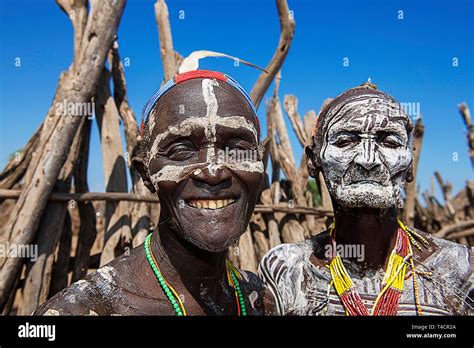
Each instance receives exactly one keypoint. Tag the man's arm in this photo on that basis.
(271, 298)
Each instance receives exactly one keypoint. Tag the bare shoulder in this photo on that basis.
(285, 255)
(449, 265)
(452, 259)
(84, 297)
(99, 293)
(289, 256)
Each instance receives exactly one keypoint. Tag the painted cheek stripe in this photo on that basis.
(179, 173)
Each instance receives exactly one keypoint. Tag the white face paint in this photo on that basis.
(209, 123)
(366, 153)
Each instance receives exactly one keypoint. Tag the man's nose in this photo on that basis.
(368, 156)
(212, 176)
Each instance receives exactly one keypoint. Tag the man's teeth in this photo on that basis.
(211, 203)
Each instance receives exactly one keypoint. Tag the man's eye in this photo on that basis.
(180, 152)
(239, 145)
(390, 141)
(344, 141)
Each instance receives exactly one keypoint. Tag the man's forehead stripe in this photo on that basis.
(193, 75)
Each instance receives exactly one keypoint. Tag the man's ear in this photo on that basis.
(140, 166)
(311, 161)
(409, 174)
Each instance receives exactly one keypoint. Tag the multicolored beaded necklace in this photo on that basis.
(393, 281)
(232, 277)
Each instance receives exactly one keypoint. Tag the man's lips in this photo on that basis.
(358, 182)
(212, 204)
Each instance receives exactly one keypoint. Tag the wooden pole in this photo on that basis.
(139, 212)
(131, 197)
(77, 87)
(16, 167)
(38, 274)
(167, 52)
(118, 233)
(287, 30)
(466, 116)
(86, 196)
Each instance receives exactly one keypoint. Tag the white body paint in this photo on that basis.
(209, 123)
(186, 127)
(107, 273)
(301, 288)
(252, 298)
(51, 312)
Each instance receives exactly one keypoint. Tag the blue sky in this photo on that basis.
(410, 58)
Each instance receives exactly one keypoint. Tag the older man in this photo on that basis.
(368, 262)
(194, 128)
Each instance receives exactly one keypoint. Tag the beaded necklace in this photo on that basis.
(232, 277)
(393, 281)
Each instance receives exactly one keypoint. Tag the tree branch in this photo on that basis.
(287, 30)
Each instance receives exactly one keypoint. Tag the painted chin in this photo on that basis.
(213, 224)
(366, 194)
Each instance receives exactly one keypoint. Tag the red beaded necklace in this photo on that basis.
(387, 301)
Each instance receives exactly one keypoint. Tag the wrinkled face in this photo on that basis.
(366, 153)
(204, 161)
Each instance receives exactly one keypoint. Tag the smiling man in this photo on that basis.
(207, 196)
(368, 262)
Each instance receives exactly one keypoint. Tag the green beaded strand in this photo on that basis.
(160, 279)
(243, 310)
(168, 292)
